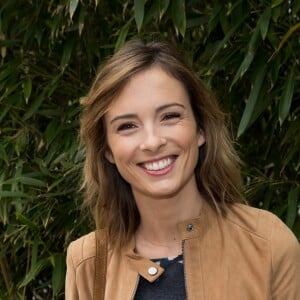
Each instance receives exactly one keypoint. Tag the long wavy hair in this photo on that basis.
(107, 194)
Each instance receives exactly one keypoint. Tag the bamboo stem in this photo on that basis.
(6, 276)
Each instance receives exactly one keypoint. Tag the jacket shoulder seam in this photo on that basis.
(81, 261)
(249, 231)
(257, 225)
(77, 251)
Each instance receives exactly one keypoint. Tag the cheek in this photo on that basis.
(120, 151)
(190, 139)
(191, 143)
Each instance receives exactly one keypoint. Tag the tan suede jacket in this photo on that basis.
(249, 255)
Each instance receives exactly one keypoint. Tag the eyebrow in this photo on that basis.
(157, 110)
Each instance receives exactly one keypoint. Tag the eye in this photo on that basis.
(170, 116)
(126, 126)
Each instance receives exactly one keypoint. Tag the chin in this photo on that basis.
(164, 193)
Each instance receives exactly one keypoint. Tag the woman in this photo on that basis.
(163, 180)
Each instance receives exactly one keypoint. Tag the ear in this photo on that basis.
(201, 138)
(109, 156)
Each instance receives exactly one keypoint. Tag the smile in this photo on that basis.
(158, 165)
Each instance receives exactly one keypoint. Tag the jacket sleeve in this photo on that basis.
(285, 263)
(80, 276)
(70, 283)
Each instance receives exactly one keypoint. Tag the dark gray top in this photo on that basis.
(169, 286)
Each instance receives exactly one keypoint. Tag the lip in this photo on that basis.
(159, 166)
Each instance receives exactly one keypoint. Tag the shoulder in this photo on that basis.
(257, 221)
(82, 249)
(264, 226)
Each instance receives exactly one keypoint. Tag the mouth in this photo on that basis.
(158, 165)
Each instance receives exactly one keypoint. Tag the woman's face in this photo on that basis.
(152, 135)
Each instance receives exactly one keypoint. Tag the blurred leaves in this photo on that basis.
(178, 16)
(264, 21)
(72, 7)
(139, 7)
(246, 51)
(58, 277)
(287, 95)
(292, 207)
(248, 58)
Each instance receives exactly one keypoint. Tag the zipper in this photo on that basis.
(184, 270)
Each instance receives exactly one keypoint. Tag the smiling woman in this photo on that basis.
(153, 138)
(163, 181)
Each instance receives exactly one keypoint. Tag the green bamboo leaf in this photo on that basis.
(296, 8)
(163, 6)
(214, 19)
(178, 16)
(276, 3)
(59, 158)
(82, 15)
(152, 14)
(34, 106)
(262, 103)
(292, 207)
(250, 106)
(27, 86)
(55, 183)
(274, 71)
(21, 141)
(252, 47)
(67, 51)
(291, 138)
(264, 21)
(267, 199)
(54, 148)
(25, 180)
(72, 7)
(227, 37)
(13, 194)
(122, 35)
(139, 9)
(52, 130)
(58, 273)
(3, 154)
(34, 252)
(11, 69)
(5, 214)
(234, 9)
(9, 90)
(39, 35)
(276, 13)
(196, 22)
(224, 21)
(26, 221)
(287, 95)
(292, 153)
(39, 266)
(5, 110)
(54, 84)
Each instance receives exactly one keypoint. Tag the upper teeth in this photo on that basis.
(158, 165)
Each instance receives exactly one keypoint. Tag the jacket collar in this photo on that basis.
(189, 229)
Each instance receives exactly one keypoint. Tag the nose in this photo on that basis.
(152, 141)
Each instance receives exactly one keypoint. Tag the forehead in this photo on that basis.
(147, 90)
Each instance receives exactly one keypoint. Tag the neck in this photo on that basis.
(160, 217)
(164, 215)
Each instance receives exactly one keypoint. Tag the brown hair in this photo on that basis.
(107, 194)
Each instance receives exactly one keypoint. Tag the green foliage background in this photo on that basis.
(247, 51)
